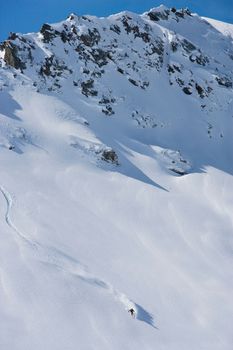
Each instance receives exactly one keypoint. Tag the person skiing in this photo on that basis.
(132, 312)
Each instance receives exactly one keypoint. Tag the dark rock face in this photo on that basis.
(46, 68)
(158, 15)
(187, 90)
(180, 14)
(106, 103)
(188, 12)
(110, 156)
(199, 59)
(115, 28)
(105, 100)
(174, 46)
(108, 110)
(188, 46)
(100, 57)
(224, 81)
(134, 29)
(91, 44)
(12, 36)
(179, 172)
(90, 39)
(200, 90)
(53, 67)
(134, 82)
(164, 14)
(11, 56)
(88, 88)
(48, 33)
(157, 47)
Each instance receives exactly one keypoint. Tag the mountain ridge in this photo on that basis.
(76, 53)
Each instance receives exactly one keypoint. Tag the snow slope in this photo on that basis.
(116, 186)
(224, 28)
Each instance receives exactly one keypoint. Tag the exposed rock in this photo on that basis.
(199, 59)
(100, 56)
(89, 49)
(144, 121)
(64, 36)
(173, 68)
(134, 82)
(11, 56)
(173, 160)
(145, 84)
(48, 33)
(188, 12)
(180, 82)
(200, 90)
(224, 81)
(72, 17)
(115, 28)
(108, 110)
(105, 100)
(158, 15)
(120, 70)
(174, 46)
(91, 38)
(188, 46)
(133, 28)
(110, 156)
(187, 90)
(157, 47)
(178, 171)
(53, 67)
(87, 88)
(12, 36)
(180, 14)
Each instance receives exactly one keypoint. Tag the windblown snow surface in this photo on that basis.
(116, 184)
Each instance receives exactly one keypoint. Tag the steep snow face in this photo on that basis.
(224, 28)
(116, 184)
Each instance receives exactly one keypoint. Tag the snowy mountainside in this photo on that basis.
(116, 183)
(224, 28)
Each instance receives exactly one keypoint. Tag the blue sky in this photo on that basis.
(28, 15)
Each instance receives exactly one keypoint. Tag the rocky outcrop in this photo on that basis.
(11, 56)
(163, 14)
(48, 33)
(158, 15)
(224, 81)
(83, 50)
(91, 38)
(187, 90)
(110, 156)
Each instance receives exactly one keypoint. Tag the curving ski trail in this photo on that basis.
(69, 265)
(9, 203)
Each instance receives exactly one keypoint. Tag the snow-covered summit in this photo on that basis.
(103, 60)
(116, 183)
(224, 28)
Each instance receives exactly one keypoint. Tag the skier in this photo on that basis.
(132, 312)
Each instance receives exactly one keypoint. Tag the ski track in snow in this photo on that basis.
(68, 264)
